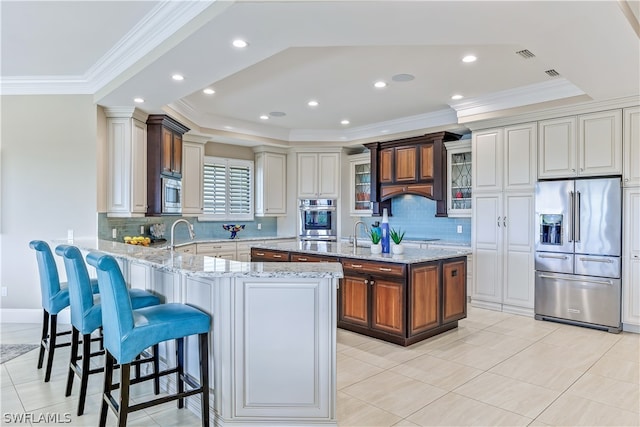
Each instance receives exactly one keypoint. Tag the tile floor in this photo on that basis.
(494, 369)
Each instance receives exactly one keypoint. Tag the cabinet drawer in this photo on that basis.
(188, 249)
(268, 255)
(373, 267)
(247, 245)
(208, 248)
(302, 257)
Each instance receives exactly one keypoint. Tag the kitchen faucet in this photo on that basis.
(355, 234)
(192, 234)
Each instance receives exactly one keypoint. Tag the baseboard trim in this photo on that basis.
(30, 315)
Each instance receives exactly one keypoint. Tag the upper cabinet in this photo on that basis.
(192, 174)
(271, 183)
(584, 145)
(318, 175)
(459, 178)
(164, 156)
(410, 166)
(631, 143)
(360, 188)
(505, 158)
(126, 163)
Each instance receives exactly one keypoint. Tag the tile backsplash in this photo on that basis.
(203, 230)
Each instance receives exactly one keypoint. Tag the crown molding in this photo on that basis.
(45, 85)
(526, 95)
(126, 112)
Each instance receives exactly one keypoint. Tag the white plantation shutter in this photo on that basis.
(228, 188)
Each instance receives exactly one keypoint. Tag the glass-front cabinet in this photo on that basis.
(360, 194)
(459, 178)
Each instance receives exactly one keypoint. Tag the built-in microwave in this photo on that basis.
(171, 196)
(318, 220)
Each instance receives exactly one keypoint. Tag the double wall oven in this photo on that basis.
(318, 220)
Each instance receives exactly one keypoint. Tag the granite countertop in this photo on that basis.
(345, 250)
(205, 266)
(213, 240)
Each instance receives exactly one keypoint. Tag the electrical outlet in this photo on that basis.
(459, 229)
(259, 226)
(70, 234)
(142, 229)
(114, 233)
(4, 291)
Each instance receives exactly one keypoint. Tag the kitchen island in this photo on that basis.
(401, 299)
(273, 333)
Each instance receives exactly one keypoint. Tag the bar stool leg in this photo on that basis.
(52, 346)
(123, 405)
(106, 390)
(84, 377)
(156, 369)
(45, 331)
(180, 372)
(72, 362)
(203, 345)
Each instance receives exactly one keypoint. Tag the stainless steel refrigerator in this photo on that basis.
(578, 247)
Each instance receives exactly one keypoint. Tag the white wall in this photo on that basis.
(48, 177)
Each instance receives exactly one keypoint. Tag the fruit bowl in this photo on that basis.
(233, 228)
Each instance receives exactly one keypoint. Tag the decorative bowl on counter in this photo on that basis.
(233, 228)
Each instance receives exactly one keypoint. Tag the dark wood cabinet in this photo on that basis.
(268, 255)
(424, 294)
(164, 157)
(454, 289)
(414, 165)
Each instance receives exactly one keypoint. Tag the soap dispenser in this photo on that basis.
(385, 231)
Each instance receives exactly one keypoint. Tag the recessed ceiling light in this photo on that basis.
(380, 84)
(138, 100)
(209, 91)
(345, 122)
(469, 58)
(177, 77)
(240, 43)
(403, 77)
(456, 97)
(312, 103)
(264, 117)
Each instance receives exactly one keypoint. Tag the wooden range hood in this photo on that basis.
(416, 165)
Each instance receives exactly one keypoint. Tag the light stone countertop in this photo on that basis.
(205, 266)
(345, 250)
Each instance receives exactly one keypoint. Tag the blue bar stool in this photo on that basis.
(127, 332)
(55, 298)
(86, 317)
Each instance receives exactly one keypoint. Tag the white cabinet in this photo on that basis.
(631, 147)
(505, 158)
(192, 177)
(360, 189)
(584, 145)
(503, 249)
(226, 250)
(243, 249)
(271, 184)
(127, 162)
(459, 178)
(631, 260)
(318, 175)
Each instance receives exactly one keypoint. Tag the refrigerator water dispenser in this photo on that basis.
(551, 229)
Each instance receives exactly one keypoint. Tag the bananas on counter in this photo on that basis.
(137, 240)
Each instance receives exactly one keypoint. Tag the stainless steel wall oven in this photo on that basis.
(318, 219)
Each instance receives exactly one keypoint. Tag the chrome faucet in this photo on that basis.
(192, 234)
(355, 234)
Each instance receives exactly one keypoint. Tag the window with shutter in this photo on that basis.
(228, 189)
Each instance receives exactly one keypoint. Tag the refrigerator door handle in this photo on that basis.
(573, 279)
(571, 216)
(576, 218)
(498, 221)
(606, 260)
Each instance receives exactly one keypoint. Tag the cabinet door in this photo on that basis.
(631, 258)
(192, 181)
(454, 296)
(307, 175)
(631, 144)
(487, 252)
(459, 183)
(328, 175)
(520, 144)
(557, 148)
(518, 229)
(406, 162)
(360, 189)
(424, 297)
(486, 149)
(176, 154)
(426, 162)
(600, 143)
(271, 184)
(385, 168)
(354, 307)
(387, 304)
(167, 152)
(139, 167)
